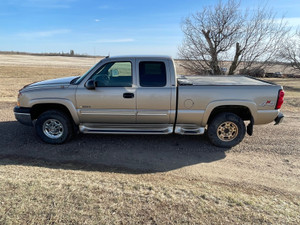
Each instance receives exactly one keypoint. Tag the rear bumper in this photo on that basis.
(23, 115)
(279, 119)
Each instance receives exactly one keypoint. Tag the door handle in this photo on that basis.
(128, 95)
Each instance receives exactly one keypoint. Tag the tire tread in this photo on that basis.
(220, 118)
(55, 114)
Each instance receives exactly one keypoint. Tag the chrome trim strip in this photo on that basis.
(24, 114)
(267, 111)
(110, 114)
(154, 114)
(143, 112)
(107, 113)
(189, 111)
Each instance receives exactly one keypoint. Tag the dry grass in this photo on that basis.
(35, 194)
(291, 87)
(14, 78)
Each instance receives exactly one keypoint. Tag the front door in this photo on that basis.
(113, 100)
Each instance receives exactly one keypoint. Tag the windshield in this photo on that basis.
(78, 81)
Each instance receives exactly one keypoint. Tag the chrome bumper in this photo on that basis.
(23, 115)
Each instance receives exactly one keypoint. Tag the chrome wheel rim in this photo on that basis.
(227, 131)
(53, 128)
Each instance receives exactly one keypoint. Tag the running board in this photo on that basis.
(189, 130)
(124, 130)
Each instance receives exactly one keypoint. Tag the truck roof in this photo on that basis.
(141, 56)
(220, 80)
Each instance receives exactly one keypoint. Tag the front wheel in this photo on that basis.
(226, 130)
(53, 127)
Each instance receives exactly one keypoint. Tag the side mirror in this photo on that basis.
(90, 85)
(115, 73)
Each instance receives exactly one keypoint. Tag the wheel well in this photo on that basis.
(38, 109)
(242, 111)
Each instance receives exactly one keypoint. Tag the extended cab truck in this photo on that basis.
(143, 95)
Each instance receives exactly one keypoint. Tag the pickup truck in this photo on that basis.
(143, 95)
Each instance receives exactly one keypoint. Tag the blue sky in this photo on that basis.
(107, 27)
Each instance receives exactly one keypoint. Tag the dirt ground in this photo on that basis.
(270, 158)
(267, 161)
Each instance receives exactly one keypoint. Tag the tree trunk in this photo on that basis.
(234, 63)
(214, 63)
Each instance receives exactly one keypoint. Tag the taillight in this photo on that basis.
(280, 99)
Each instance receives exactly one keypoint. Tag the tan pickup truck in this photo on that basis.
(143, 95)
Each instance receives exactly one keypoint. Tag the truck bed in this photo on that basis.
(220, 81)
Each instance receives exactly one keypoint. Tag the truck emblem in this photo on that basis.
(267, 103)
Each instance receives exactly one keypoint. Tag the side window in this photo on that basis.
(114, 74)
(152, 74)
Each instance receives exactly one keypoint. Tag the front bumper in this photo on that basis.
(279, 118)
(23, 115)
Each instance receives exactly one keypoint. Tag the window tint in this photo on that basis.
(152, 74)
(114, 74)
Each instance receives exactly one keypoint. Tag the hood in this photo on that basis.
(54, 82)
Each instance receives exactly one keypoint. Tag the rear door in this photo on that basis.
(154, 92)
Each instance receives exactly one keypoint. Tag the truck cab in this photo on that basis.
(125, 91)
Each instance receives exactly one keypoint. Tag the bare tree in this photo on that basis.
(290, 51)
(226, 33)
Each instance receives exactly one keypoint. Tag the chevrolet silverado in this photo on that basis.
(144, 95)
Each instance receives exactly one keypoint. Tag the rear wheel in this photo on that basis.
(54, 127)
(226, 130)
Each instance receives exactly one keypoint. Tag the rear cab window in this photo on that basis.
(152, 74)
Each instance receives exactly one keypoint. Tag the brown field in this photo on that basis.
(292, 92)
(124, 179)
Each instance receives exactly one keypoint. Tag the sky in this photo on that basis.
(116, 27)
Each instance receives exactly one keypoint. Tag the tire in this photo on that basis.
(54, 127)
(226, 130)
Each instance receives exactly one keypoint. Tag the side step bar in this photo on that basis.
(124, 130)
(189, 131)
(139, 129)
